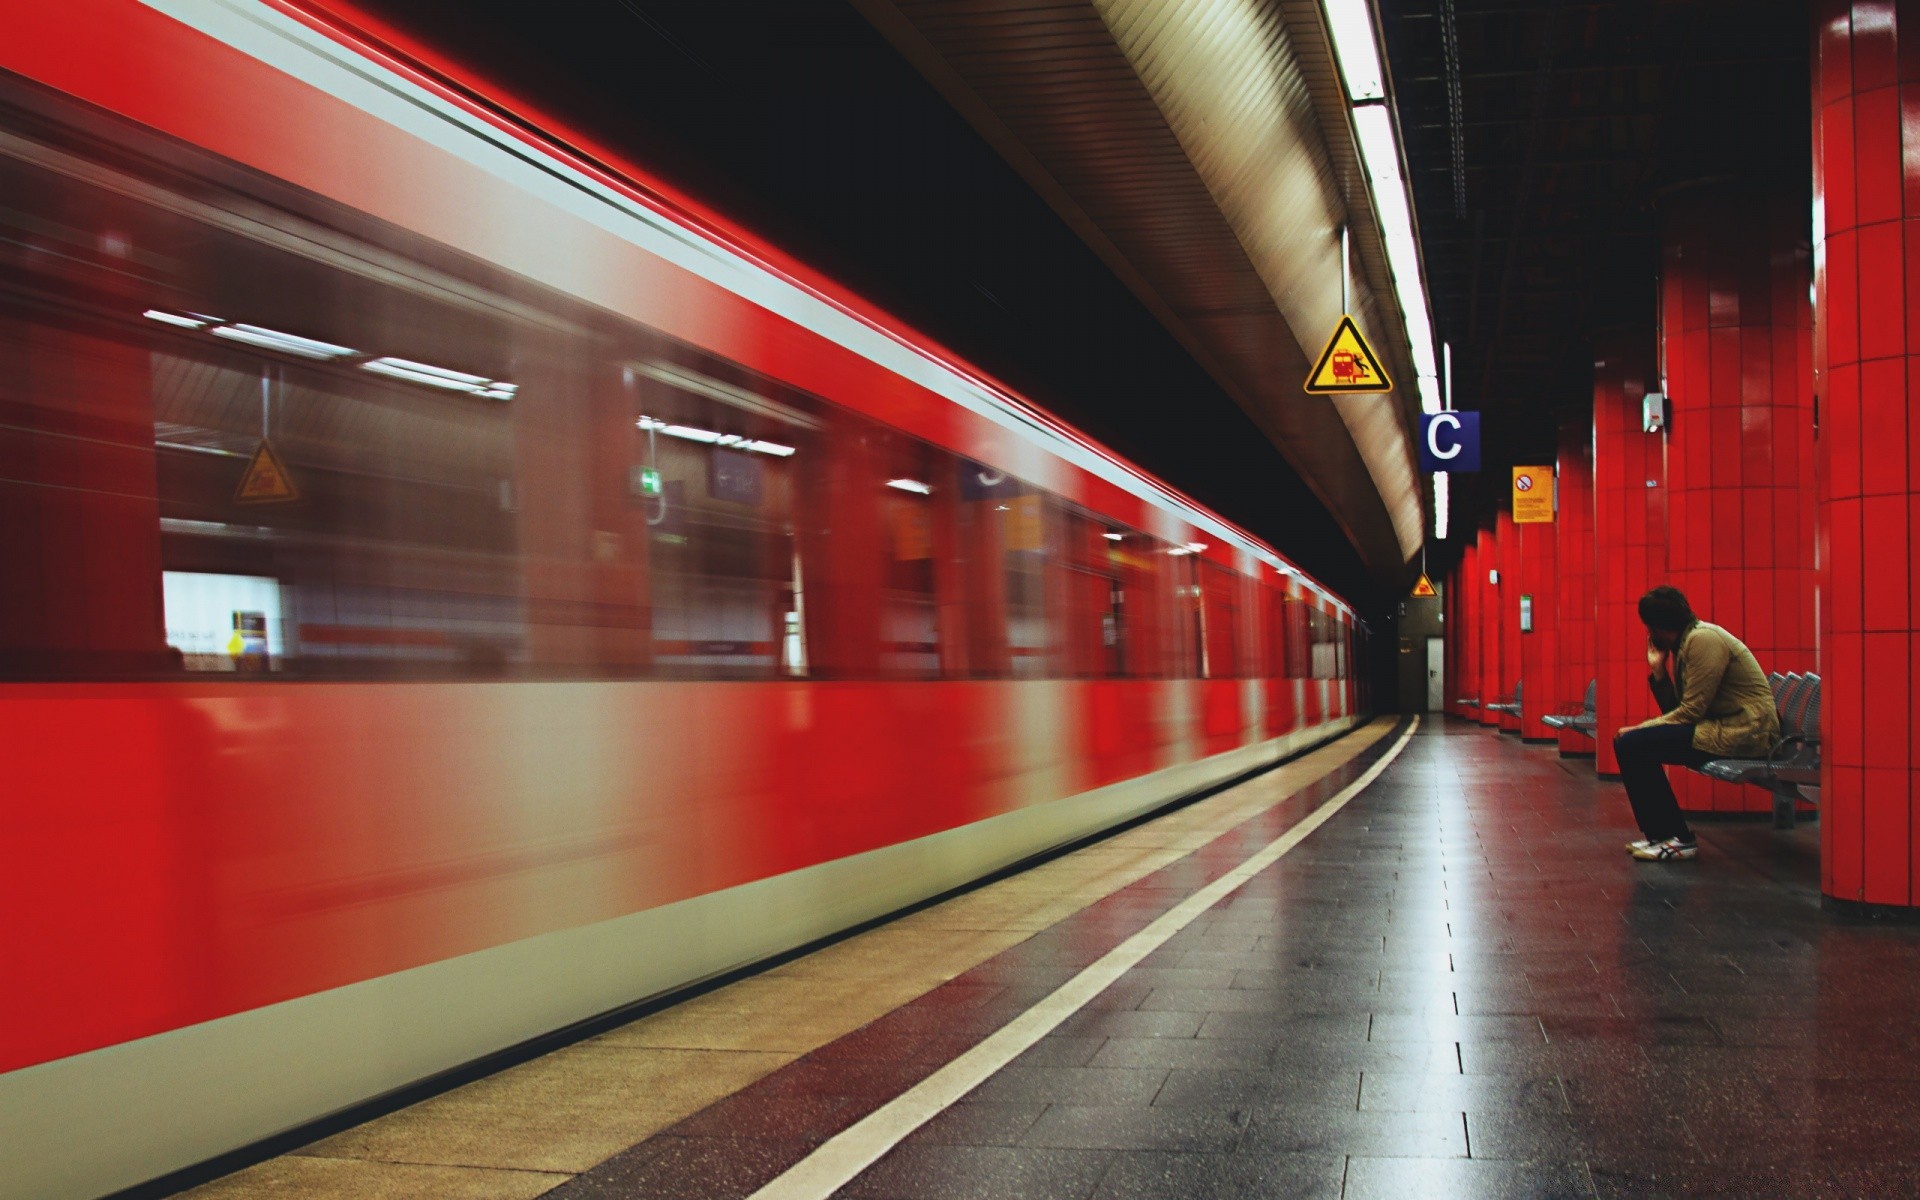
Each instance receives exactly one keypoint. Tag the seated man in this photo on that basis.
(1716, 704)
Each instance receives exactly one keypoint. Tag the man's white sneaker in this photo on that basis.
(1670, 850)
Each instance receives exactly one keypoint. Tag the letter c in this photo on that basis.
(1433, 436)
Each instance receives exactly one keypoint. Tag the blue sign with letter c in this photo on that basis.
(1449, 442)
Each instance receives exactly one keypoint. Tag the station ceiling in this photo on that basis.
(1542, 138)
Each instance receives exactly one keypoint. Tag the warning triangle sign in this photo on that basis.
(1424, 588)
(266, 480)
(1347, 365)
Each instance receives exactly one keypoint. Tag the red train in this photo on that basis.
(451, 586)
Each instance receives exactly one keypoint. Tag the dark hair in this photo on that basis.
(1666, 609)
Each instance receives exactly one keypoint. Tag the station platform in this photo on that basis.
(1414, 962)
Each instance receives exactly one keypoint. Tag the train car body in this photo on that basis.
(452, 586)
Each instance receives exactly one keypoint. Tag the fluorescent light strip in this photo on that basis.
(1441, 505)
(1350, 23)
(1115, 537)
(708, 437)
(910, 485)
(167, 318)
(285, 343)
(440, 376)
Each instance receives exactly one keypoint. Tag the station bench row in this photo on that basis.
(1791, 769)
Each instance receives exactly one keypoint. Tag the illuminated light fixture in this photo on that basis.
(910, 485)
(1440, 507)
(285, 343)
(1350, 24)
(184, 322)
(708, 437)
(691, 434)
(1356, 44)
(1196, 547)
(1114, 537)
(440, 377)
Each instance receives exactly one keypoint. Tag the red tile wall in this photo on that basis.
(1736, 333)
(1629, 533)
(1506, 540)
(1573, 531)
(1492, 691)
(1866, 216)
(1538, 577)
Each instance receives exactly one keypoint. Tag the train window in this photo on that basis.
(1220, 620)
(917, 503)
(254, 432)
(1096, 626)
(710, 463)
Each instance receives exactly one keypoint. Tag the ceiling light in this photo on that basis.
(285, 343)
(1114, 537)
(167, 318)
(910, 485)
(1440, 507)
(689, 433)
(708, 437)
(1350, 24)
(1380, 155)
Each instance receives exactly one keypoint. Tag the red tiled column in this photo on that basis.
(1629, 535)
(1491, 690)
(1539, 653)
(1735, 325)
(1573, 531)
(1866, 211)
(1506, 537)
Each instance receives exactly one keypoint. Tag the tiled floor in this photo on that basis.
(1459, 986)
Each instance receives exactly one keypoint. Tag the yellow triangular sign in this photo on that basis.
(1348, 364)
(1424, 588)
(266, 481)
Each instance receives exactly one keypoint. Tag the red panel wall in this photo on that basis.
(1629, 533)
(1506, 537)
(1492, 690)
(1866, 186)
(1539, 650)
(1573, 530)
(1736, 331)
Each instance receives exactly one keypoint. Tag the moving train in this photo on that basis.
(452, 586)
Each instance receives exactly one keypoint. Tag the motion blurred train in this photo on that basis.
(452, 586)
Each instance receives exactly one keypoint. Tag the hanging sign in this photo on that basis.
(1449, 442)
(1532, 495)
(1347, 366)
(265, 480)
(1424, 589)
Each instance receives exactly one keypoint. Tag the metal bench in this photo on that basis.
(1791, 770)
(1583, 720)
(1509, 707)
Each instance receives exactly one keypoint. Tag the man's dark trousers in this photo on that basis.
(1643, 754)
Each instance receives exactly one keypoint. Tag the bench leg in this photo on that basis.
(1783, 809)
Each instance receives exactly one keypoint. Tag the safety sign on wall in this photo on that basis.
(1423, 589)
(1347, 365)
(1532, 495)
(1449, 442)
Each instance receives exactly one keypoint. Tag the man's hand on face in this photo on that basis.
(1656, 658)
